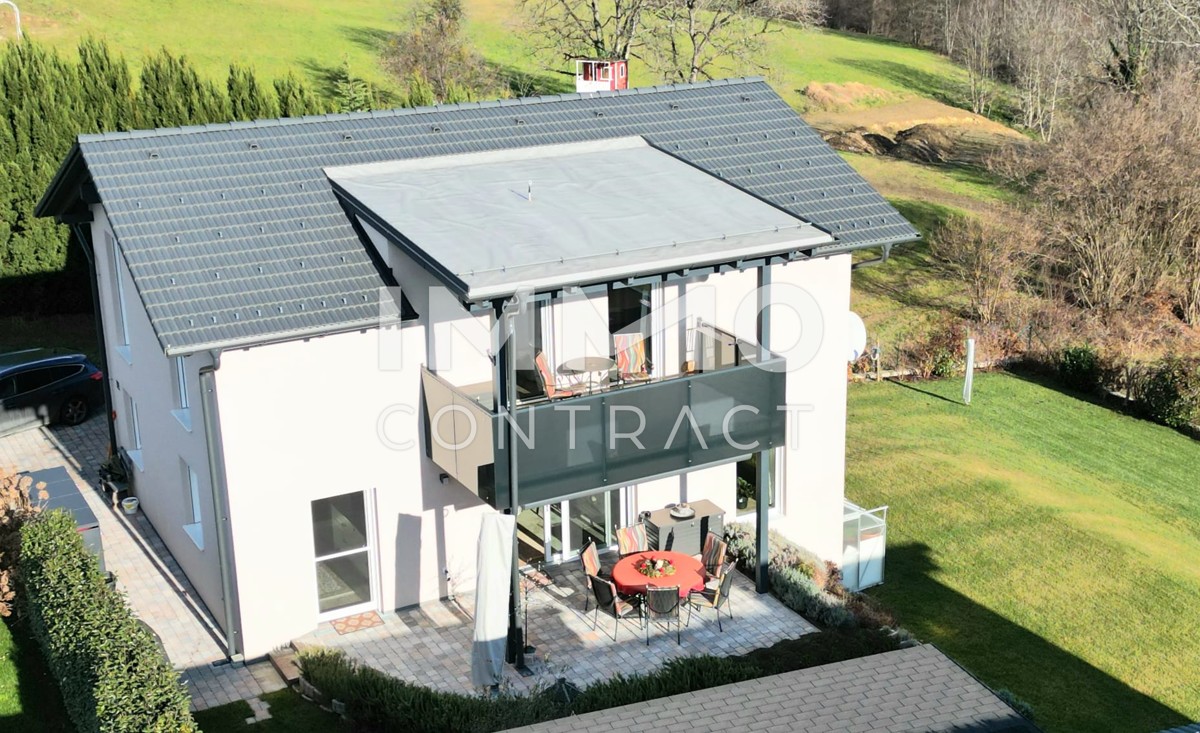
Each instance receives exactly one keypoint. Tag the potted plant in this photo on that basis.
(745, 492)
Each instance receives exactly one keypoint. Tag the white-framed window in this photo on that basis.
(605, 72)
(135, 433)
(620, 71)
(182, 411)
(122, 334)
(192, 498)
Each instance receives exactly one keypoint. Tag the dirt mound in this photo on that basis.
(919, 130)
(835, 97)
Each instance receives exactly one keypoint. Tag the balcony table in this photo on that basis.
(591, 366)
(689, 573)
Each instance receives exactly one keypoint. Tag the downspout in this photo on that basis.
(85, 241)
(887, 252)
(220, 496)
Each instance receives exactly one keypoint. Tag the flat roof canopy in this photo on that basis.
(546, 217)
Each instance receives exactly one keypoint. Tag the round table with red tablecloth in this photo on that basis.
(689, 573)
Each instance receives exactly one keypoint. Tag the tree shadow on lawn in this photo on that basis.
(366, 38)
(325, 77)
(927, 84)
(37, 693)
(1115, 403)
(1066, 692)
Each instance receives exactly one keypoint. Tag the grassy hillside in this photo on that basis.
(1049, 545)
(313, 37)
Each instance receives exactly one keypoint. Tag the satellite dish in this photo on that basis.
(857, 334)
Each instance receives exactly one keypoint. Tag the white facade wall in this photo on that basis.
(169, 437)
(815, 464)
(809, 328)
(306, 420)
(319, 417)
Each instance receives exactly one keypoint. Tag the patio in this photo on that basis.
(431, 644)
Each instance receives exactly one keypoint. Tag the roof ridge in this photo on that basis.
(405, 111)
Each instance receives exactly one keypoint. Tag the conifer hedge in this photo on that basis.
(112, 676)
(47, 101)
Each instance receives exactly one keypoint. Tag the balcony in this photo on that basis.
(724, 407)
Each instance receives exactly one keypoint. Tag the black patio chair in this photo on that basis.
(714, 598)
(663, 603)
(589, 556)
(611, 602)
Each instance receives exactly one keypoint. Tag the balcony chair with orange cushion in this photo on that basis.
(550, 385)
(632, 539)
(632, 364)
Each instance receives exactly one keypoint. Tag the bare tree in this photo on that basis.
(978, 40)
(588, 28)
(1041, 40)
(986, 253)
(1118, 200)
(693, 39)
(433, 51)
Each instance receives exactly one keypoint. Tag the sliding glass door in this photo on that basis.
(556, 532)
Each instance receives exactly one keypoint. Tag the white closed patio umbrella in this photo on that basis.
(493, 585)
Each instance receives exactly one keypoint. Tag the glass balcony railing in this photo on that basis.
(725, 407)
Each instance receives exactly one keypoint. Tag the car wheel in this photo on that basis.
(74, 410)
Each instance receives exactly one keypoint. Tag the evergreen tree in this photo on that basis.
(351, 94)
(295, 99)
(420, 91)
(47, 101)
(248, 100)
(106, 88)
(40, 113)
(173, 94)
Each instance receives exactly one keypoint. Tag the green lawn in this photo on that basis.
(290, 713)
(1050, 545)
(29, 698)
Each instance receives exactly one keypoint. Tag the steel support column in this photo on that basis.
(505, 389)
(762, 581)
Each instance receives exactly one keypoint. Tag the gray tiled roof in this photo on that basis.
(914, 689)
(1190, 728)
(234, 236)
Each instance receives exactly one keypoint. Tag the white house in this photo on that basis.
(317, 330)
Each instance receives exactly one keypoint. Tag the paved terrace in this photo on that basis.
(157, 589)
(429, 645)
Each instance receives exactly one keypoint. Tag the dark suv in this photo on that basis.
(39, 387)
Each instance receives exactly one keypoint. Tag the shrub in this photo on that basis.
(805, 584)
(375, 701)
(674, 677)
(1079, 368)
(939, 354)
(17, 506)
(1170, 392)
(113, 678)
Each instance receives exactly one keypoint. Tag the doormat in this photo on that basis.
(358, 622)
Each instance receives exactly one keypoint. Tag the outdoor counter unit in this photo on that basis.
(64, 494)
(864, 533)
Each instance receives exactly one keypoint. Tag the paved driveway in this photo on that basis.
(157, 589)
